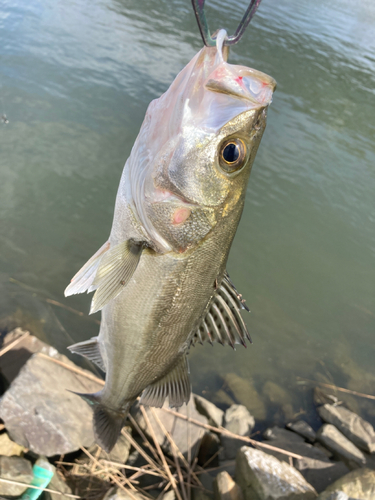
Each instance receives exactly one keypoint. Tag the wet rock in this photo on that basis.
(335, 441)
(322, 448)
(208, 449)
(182, 432)
(225, 488)
(320, 473)
(303, 429)
(263, 477)
(290, 441)
(214, 415)
(245, 393)
(278, 433)
(41, 414)
(275, 393)
(16, 469)
(120, 494)
(239, 421)
(323, 395)
(358, 484)
(222, 398)
(8, 447)
(357, 430)
(57, 483)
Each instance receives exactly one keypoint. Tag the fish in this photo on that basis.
(160, 280)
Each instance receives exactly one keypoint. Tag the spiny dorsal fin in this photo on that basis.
(223, 322)
(115, 270)
(90, 349)
(83, 280)
(175, 385)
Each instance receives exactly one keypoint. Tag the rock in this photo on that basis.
(41, 414)
(120, 494)
(209, 448)
(290, 441)
(200, 495)
(278, 433)
(325, 396)
(322, 448)
(320, 473)
(8, 447)
(275, 393)
(335, 441)
(180, 430)
(263, 477)
(57, 483)
(13, 360)
(170, 495)
(225, 488)
(245, 393)
(303, 429)
(120, 452)
(358, 484)
(357, 430)
(214, 415)
(222, 398)
(239, 421)
(16, 469)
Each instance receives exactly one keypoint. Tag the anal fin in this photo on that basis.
(90, 349)
(114, 272)
(175, 385)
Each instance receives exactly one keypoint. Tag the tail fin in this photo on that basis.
(107, 423)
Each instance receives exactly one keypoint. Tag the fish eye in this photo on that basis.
(232, 155)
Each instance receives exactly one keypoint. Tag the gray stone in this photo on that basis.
(225, 488)
(41, 413)
(357, 430)
(8, 447)
(263, 477)
(278, 433)
(120, 452)
(335, 441)
(183, 433)
(303, 429)
(290, 441)
(244, 392)
(120, 494)
(325, 396)
(239, 421)
(320, 473)
(276, 394)
(214, 415)
(15, 469)
(358, 484)
(209, 450)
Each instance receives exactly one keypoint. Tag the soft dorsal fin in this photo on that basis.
(83, 280)
(175, 385)
(90, 349)
(223, 322)
(114, 272)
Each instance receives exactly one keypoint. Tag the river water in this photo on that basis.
(75, 81)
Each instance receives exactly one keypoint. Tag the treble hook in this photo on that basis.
(208, 40)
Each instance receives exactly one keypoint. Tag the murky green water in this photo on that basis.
(75, 80)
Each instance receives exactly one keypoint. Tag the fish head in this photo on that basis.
(207, 128)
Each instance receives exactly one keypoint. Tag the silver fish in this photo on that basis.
(160, 279)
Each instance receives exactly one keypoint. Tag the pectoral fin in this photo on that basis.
(83, 280)
(175, 385)
(115, 270)
(223, 322)
(90, 349)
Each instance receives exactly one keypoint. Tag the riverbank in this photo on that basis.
(200, 451)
